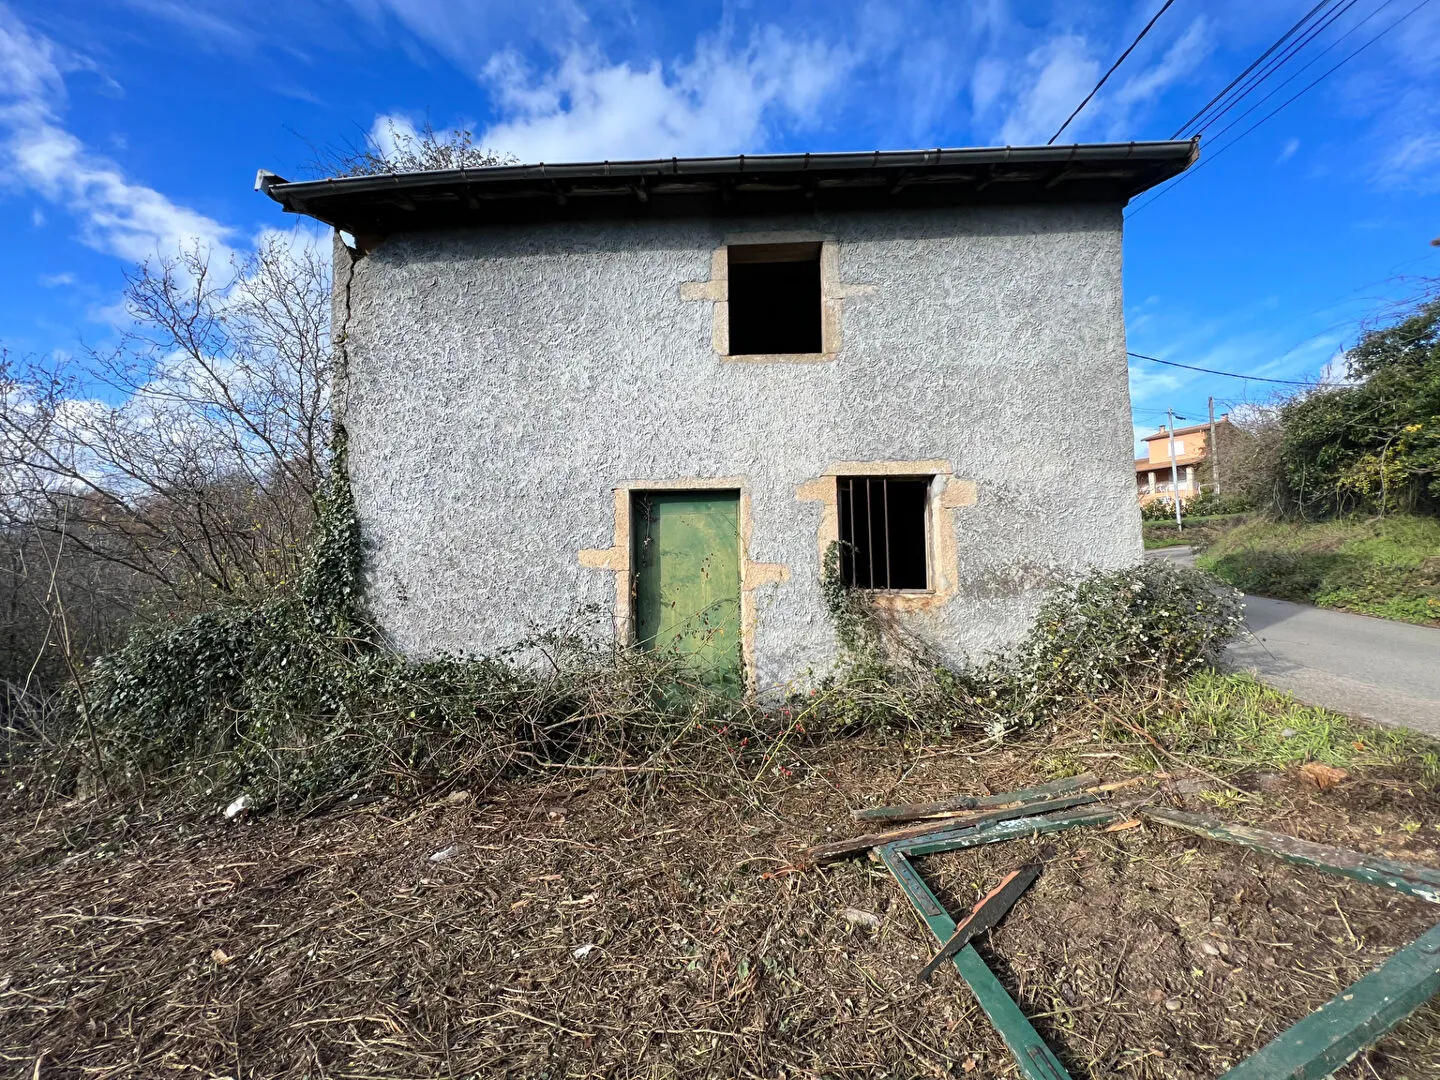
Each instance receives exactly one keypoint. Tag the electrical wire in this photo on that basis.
(1140, 37)
(1303, 68)
(1279, 108)
(1180, 131)
(1326, 21)
(1228, 374)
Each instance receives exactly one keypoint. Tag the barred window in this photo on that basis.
(883, 529)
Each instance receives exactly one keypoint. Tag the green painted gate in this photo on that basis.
(687, 580)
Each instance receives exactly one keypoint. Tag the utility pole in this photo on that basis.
(1174, 472)
(1214, 452)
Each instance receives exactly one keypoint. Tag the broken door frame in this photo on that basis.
(1310, 1049)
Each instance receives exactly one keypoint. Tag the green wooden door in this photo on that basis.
(687, 580)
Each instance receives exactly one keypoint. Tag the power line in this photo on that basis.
(1324, 23)
(1180, 131)
(1140, 37)
(1212, 371)
(1303, 68)
(1279, 108)
(1327, 73)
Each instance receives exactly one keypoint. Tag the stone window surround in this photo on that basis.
(833, 293)
(948, 493)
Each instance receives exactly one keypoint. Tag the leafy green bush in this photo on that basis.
(1374, 443)
(1158, 510)
(1154, 621)
(1093, 636)
(1206, 504)
(1209, 504)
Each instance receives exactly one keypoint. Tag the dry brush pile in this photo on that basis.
(627, 924)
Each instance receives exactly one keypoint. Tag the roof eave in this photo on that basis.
(1116, 171)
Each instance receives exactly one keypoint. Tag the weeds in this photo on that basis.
(297, 701)
(1233, 723)
(1387, 567)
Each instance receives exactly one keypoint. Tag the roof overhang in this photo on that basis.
(734, 186)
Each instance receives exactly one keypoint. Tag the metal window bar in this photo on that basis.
(858, 563)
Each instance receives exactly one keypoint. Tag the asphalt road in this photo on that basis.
(1384, 671)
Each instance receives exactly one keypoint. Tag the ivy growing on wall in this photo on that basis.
(297, 699)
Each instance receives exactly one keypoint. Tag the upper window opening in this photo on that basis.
(882, 532)
(774, 299)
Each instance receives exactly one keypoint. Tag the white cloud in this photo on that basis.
(1140, 90)
(115, 215)
(1024, 102)
(1288, 150)
(1412, 163)
(56, 281)
(1057, 76)
(724, 100)
(987, 83)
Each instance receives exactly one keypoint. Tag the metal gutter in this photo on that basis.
(284, 191)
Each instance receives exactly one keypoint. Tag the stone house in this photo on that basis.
(668, 388)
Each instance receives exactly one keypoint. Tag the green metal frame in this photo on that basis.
(1035, 1058)
(1309, 1050)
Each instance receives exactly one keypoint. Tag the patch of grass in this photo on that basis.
(1199, 532)
(1235, 723)
(1170, 539)
(1387, 567)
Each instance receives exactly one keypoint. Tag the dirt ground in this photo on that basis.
(614, 924)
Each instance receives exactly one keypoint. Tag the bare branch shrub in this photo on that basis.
(1250, 463)
(177, 468)
(403, 149)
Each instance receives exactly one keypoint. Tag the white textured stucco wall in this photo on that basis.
(502, 381)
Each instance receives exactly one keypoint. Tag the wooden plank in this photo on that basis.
(841, 849)
(961, 803)
(1012, 829)
(1421, 881)
(987, 912)
(1352, 1020)
(1035, 1059)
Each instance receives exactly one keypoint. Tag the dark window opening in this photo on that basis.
(774, 299)
(882, 532)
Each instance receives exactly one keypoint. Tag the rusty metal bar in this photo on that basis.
(870, 529)
(885, 517)
(988, 912)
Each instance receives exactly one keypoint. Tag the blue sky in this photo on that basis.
(129, 127)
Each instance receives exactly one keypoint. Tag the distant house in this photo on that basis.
(1192, 456)
(669, 388)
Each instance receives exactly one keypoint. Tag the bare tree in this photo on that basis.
(1249, 448)
(402, 149)
(185, 460)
